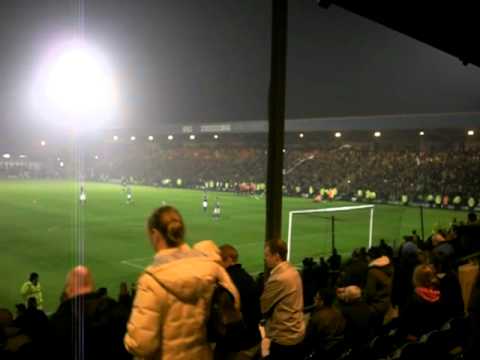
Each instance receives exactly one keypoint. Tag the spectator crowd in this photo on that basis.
(417, 300)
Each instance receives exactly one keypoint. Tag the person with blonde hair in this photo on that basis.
(424, 312)
(173, 297)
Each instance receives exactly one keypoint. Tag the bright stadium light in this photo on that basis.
(192, 137)
(115, 138)
(215, 136)
(22, 156)
(43, 143)
(377, 134)
(301, 135)
(170, 137)
(61, 164)
(338, 134)
(74, 87)
(6, 156)
(96, 157)
(284, 151)
(471, 132)
(421, 133)
(150, 138)
(133, 138)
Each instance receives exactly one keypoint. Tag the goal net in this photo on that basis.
(315, 232)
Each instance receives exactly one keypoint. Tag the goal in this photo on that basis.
(331, 214)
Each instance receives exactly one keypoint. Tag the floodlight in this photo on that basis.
(471, 132)
(96, 157)
(150, 138)
(284, 151)
(115, 138)
(377, 134)
(61, 164)
(300, 135)
(338, 134)
(43, 143)
(215, 136)
(421, 133)
(192, 137)
(133, 138)
(75, 87)
(22, 156)
(6, 156)
(170, 137)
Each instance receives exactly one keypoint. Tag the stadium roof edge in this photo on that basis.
(345, 123)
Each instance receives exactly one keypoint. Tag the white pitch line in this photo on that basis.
(125, 262)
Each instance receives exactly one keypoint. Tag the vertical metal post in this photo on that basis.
(276, 121)
(422, 225)
(333, 233)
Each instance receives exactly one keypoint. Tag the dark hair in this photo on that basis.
(374, 252)
(472, 217)
(33, 276)
(169, 223)
(278, 247)
(102, 291)
(228, 251)
(327, 295)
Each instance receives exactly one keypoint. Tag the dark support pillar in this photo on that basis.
(333, 233)
(276, 120)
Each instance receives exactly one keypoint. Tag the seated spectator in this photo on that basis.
(322, 274)
(449, 285)
(83, 325)
(250, 307)
(326, 326)
(378, 287)
(355, 272)
(357, 314)
(35, 322)
(172, 300)
(335, 260)
(386, 249)
(424, 311)
(309, 282)
(473, 346)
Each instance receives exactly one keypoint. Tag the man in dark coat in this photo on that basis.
(250, 303)
(84, 326)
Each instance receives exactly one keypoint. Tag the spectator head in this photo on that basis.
(442, 262)
(275, 252)
(438, 238)
(374, 252)
(21, 308)
(123, 288)
(349, 294)
(424, 277)
(166, 228)
(472, 217)
(229, 255)
(32, 303)
(324, 297)
(34, 278)
(102, 292)
(334, 251)
(79, 282)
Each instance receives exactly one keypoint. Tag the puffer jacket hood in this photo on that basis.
(190, 278)
(382, 263)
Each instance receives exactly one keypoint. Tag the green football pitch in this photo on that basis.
(41, 227)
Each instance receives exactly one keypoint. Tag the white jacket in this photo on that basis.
(172, 303)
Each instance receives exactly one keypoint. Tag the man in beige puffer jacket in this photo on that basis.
(172, 304)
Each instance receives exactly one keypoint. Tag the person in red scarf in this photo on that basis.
(424, 311)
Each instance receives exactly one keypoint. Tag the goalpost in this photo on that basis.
(329, 210)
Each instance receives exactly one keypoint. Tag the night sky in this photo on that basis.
(196, 61)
